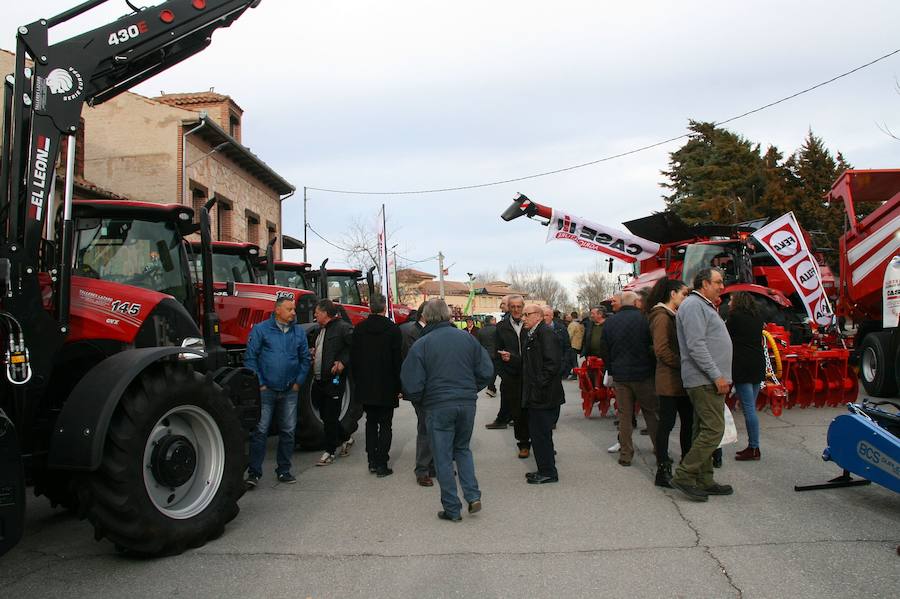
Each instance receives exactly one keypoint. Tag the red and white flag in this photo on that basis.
(599, 238)
(384, 264)
(784, 239)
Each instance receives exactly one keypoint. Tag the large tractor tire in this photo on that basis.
(172, 469)
(876, 365)
(310, 433)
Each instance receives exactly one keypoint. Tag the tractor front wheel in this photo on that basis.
(172, 469)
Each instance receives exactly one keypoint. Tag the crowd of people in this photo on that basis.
(667, 352)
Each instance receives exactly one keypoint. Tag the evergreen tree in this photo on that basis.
(717, 176)
(814, 170)
(779, 194)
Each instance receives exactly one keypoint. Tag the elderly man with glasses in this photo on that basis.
(542, 391)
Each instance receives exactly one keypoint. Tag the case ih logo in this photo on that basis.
(64, 81)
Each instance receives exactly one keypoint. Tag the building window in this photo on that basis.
(234, 126)
(226, 224)
(252, 228)
(198, 198)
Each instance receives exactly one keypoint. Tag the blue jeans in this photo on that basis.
(450, 430)
(747, 393)
(284, 404)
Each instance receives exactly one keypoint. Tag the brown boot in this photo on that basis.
(746, 455)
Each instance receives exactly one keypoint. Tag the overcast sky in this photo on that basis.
(410, 95)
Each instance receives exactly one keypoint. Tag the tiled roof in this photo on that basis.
(413, 273)
(209, 97)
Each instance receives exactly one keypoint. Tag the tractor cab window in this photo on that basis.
(732, 259)
(287, 278)
(141, 253)
(343, 289)
(225, 268)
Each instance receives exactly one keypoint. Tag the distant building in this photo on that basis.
(417, 286)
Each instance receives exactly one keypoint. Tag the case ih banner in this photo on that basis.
(598, 238)
(784, 240)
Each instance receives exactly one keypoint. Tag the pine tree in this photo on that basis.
(716, 176)
(779, 195)
(814, 170)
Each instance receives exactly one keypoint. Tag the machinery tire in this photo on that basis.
(876, 366)
(167, 411)
(310, 433)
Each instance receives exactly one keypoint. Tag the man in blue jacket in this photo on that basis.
(444, 371)
(277, 352)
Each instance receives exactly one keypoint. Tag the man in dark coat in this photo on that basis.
(629, 344)
(487, 336)
(424, 469)
(375, 353)
(509, 350)
(551, 319)
(331, 360)
(592, 344)
(542, 391)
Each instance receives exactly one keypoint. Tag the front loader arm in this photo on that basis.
(522, 206)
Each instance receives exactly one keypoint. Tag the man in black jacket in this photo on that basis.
(331, 358)
(375, 353)
(629, 343)
(542, 391)
(509, 365)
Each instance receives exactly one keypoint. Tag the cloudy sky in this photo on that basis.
(413, 95)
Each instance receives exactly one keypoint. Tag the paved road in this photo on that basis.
(604, 531)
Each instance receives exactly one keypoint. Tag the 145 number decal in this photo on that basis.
(125, 307)
(123, 35)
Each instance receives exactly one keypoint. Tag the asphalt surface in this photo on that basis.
(603, 531)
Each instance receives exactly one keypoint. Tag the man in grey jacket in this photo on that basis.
(444, 371)
(705, 348)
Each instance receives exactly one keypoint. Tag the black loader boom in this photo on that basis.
(41, 395)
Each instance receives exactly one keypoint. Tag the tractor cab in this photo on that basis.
(341, 285)
(137, 244)
(290, 274)
(732, 257)
(231, 261)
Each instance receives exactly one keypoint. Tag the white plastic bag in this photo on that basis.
(608, 380)
(730, 435)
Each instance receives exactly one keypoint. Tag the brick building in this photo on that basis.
(133, 147)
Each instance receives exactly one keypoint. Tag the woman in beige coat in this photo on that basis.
(665, 297)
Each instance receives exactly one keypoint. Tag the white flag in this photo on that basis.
(599, 238)
(783, 238)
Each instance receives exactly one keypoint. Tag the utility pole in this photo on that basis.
(304, 223)
(441, 273)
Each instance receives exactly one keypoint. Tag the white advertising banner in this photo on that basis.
(892, 293)
(599, 238)
(784, 239)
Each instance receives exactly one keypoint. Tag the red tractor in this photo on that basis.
(118, 401)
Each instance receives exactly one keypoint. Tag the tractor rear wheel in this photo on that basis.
(172, 468)
(876, 370)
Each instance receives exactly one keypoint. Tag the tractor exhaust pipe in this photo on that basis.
(270, 261)
(215, 353)
(323, 280)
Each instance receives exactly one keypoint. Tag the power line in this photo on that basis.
(613, 156)
(411, 261)
(334, 245)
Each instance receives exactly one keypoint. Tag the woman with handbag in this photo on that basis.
(745, 325)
